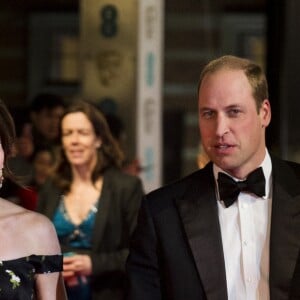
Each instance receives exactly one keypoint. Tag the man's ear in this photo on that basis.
(265, 113)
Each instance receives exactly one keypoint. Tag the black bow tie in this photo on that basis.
(229, 189)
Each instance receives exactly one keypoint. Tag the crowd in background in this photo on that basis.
(38, 142)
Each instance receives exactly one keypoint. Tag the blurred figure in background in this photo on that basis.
(117, 129)
(37, 128)
(45, 112)
(43, 163)
(20, 160)
(202, 157)
(93, 205)
(108, 107)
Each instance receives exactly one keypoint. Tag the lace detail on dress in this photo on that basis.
(17, 275)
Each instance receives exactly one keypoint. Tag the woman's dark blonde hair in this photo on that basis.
(108, 155)
(7, 138)
(253, 72)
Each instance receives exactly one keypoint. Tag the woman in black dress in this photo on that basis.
(30, 259)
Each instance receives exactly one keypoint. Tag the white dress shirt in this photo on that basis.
(245, 230)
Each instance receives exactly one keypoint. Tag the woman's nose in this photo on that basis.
(74, 138)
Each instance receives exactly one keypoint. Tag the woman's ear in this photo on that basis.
(98, 143)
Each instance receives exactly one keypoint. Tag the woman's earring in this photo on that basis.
(1, 177)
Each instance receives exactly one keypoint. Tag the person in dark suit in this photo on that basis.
(93, 205)
(232, 229)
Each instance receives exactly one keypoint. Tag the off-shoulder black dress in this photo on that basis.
(17, 276)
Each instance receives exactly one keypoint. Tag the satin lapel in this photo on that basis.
(198, 210)
(285, 229)
(103, 209)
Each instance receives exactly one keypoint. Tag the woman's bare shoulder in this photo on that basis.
(8, 207)
(33, 231)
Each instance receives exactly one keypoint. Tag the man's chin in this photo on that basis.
(225, 163)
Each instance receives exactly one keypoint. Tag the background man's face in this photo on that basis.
(47, 122)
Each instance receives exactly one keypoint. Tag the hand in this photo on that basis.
(77, 264)
(71, 281)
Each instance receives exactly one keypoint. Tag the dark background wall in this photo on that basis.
(193, 35)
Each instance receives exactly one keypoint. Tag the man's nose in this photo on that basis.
(221, 125)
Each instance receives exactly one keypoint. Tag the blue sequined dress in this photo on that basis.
(76, 237)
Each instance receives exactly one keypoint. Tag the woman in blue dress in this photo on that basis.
(30, 259)
(93, 205)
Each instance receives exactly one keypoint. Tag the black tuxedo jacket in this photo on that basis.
(176, 251)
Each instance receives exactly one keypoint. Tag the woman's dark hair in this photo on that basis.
(108, 155)
(7, 138)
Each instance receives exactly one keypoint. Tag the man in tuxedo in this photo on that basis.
(232, 229)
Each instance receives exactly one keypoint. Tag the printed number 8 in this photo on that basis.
(109, 16)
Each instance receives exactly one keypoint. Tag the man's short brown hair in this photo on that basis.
(253, 72)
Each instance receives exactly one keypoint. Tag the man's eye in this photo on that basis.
(234, 112)
(207, 114)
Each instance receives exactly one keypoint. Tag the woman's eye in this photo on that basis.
(84, 132)
(65, 133)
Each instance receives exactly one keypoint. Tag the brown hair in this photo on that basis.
(7, 137)
(108, 155)
(253, 72)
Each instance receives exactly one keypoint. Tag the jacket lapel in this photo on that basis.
(103, 209)
(199, 213)
(285, 230)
